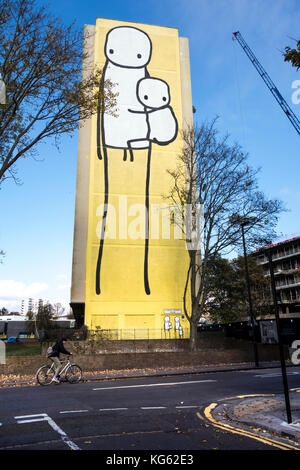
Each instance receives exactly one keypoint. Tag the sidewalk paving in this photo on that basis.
(263, 413)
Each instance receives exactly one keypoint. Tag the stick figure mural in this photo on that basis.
(144, 116)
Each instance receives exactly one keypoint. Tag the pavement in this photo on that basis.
(265, 414)
(262, 413)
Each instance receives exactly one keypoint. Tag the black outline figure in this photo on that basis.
(148, 109)
(148, 145)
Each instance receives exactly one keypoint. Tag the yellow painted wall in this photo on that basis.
(123, 303)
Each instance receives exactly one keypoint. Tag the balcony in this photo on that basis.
(289, 301)
(287, 271)
(279, 257)
(288, 286)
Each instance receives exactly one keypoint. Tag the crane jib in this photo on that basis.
(273, 89)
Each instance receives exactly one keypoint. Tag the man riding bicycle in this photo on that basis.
(58, 348)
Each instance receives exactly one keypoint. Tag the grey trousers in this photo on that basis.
(57, 365)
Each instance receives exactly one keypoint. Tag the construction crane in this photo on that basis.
(273, 89)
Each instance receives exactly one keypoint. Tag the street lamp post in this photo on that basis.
(243, 223)
(281, 351)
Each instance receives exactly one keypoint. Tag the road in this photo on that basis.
(148, 413)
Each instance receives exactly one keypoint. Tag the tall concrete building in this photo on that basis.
(286, 262)
(129, 267)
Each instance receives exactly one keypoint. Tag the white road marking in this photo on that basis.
(156, 385)
(35, 418)
(153, 407)
(74, 411)
(55, 427)
(112, 409)
(187, 406)
(266, 376)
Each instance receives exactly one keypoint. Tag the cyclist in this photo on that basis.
(58, 348)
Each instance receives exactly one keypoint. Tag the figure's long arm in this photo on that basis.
(137, 112)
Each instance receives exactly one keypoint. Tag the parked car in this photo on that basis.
(11, 339)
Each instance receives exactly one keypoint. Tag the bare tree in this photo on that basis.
(46, 97)
(58, 309)
(213, 174)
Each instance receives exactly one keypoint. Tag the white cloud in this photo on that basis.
(63, 277)
(10, 305)
(13, 290)
(64, 286)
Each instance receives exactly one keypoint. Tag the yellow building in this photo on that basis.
(129, 262)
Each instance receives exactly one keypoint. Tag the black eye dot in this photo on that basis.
(139, 56)
(164, 98)
(111, 51)
(145, 97)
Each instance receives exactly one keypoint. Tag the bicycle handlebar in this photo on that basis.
(66, 360)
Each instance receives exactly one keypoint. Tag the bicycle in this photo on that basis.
(72, 373)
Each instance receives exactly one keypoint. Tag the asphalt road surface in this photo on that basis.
(149, 413)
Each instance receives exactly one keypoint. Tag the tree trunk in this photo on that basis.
(193, 336)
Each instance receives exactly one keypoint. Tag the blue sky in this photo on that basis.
(37, 217)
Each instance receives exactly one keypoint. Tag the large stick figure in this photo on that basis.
(128, 52)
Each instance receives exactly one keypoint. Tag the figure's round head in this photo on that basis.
(153, 93)
(128, 47)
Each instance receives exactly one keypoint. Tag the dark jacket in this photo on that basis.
(59, 348)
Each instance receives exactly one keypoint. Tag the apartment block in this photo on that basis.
(286, 263)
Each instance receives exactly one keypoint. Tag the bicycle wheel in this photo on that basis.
(73, 374)
(45, 375)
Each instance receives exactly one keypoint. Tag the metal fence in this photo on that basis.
(137, 334)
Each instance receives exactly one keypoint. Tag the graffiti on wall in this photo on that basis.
(168, 326)
(144, 116)
(167, 323)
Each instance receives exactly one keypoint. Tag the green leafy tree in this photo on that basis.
(40, 322)
(292, 55)
(30, 324)
(259, 285)
(227, 300)
(44, 317)
(223, 299)
(47, 96)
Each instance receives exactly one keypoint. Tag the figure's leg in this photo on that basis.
(130, 150)
(124, 155)
(146, 267)
(100, 129)
(98, 268)
(138, 144)
(101, 139)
